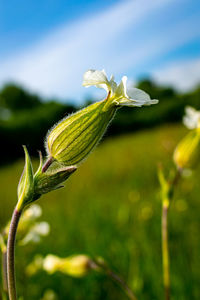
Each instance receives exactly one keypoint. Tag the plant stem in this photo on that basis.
(11, 254)
(4, 271)
(165, 250)
(98, 264)
(122, 283)
(47, 164)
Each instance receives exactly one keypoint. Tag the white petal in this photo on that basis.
(33, 212)
(42, 228)
(138, 95)
(121, 89)
(133, 96)
(94, 77)
(113, 85)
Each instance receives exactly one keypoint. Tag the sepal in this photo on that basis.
(26, 184)
(45, 182)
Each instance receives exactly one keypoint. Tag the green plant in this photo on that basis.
(67, 144)
(186, 157)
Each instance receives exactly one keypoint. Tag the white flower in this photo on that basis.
(50, 263)
(76, 265)
(120, 94)
(35, 233)
(192, 118)
(33, 212)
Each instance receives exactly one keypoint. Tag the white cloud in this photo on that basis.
(54, 66)
(183, 75)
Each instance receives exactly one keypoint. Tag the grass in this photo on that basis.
(111, 208)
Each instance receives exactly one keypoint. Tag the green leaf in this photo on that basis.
(26, 183)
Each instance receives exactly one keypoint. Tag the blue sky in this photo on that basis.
(47, 45)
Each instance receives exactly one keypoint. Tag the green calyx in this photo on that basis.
(31, 186)
(45, 182)
(73, 138)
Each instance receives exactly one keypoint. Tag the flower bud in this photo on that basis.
(187, 153)
(74, 137)
(26, 184)
(76, 266)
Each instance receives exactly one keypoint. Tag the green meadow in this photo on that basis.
(111, 207)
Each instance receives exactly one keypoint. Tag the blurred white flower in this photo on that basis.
(35, 233)
(51, 263)
(33, 212)
(192, 118)
(28, 218)
(76, 265)
(120, 94)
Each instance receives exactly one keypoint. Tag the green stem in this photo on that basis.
(165, 250)
(47, 164)
(97, 264)
(122, 283)
(165, 247)
(11, 254)
(4, 272)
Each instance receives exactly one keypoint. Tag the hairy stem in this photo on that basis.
(165, 251)
(11, 254)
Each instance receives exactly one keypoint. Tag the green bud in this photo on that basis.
(74, 137)
(45, 182)
(187, 153)
(26, 184)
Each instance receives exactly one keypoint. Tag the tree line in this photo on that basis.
(25, 117)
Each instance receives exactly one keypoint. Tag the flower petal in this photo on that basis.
(133, 96)
(95, 77)
(113, 85)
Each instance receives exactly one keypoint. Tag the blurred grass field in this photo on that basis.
(111, 208)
